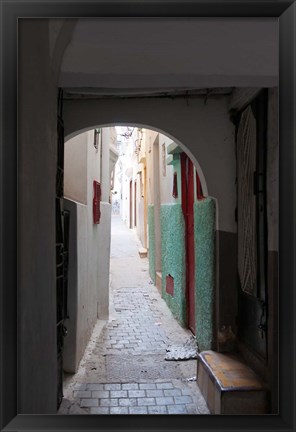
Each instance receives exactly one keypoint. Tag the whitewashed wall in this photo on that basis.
(88, 291)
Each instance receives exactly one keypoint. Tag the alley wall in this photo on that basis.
(201, 128)
(88, 291)
(167, 225)
(37, 154)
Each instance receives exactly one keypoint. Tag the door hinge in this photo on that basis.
(262, 327)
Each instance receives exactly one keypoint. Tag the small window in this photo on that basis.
(96, 139)
(175, 185)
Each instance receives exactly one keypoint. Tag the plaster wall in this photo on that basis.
(166, 172)
(151, 242)
(103, 264)
(99, 235)
(113, 157)
(75, 169)
(88, 292)
(37, 155)
(78, 294)
(142, 158)
(108, 138)
(125, 209)
(201, 52)
(129, 162)
(91, 293)
(202, 129)
(151, 145)
(156, 203)
(141, 218)
(150, 137)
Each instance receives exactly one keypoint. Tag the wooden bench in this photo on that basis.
(229, 386)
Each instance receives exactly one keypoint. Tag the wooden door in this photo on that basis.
(187, 171)
(251, 201)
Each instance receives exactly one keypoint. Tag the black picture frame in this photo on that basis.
(285, 11)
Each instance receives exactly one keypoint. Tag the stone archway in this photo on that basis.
(204, 235)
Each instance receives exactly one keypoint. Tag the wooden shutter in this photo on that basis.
(247, 233)
(96, 202)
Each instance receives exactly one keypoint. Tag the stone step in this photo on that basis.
(143, 252)
(229, 386)
(158, 281)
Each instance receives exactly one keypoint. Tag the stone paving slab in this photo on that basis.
(123, 370)
(171, 397)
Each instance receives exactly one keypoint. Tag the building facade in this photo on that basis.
(221, 284)
(89, 161)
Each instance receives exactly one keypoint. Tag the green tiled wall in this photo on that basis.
(204, 236)
(173, 258)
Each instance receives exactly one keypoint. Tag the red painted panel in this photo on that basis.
(187, 170)
(96, 202)
(170, 285)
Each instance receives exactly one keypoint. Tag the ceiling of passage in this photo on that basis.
(164, 54)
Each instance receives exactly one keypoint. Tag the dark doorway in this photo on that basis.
(62, 249)
(251, 217)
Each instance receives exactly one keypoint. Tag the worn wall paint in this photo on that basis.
(212, 149)
(173, 258)
(166, 172)
(204, 237)
(151, 236)
(227, 280)
(36, 266)
(75, 168)
(88, 279)
(89, 251)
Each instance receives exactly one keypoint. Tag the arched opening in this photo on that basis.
(206, 115)
(148, 185)
(150, 127)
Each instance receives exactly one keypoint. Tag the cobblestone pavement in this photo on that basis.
(124, 370)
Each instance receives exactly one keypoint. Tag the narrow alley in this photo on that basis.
(124, 370)
(145, 126)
